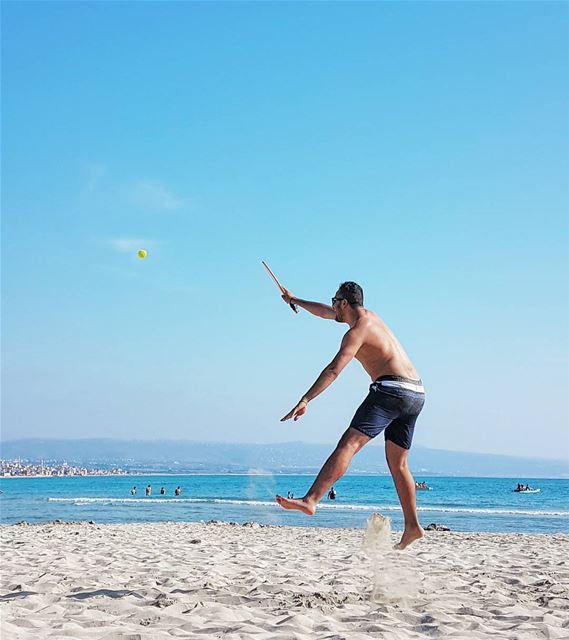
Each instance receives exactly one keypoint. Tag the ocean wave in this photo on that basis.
(129, 500)
(340, 507)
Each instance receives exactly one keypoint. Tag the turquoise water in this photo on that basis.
(463, 504)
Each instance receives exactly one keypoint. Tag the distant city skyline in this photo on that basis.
(184, 456)
(386, 143)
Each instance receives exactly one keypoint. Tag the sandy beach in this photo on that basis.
(223, 580)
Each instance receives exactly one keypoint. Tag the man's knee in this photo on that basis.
(353, 440)
(396, 456)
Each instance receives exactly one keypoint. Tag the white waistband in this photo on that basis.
(402, 385)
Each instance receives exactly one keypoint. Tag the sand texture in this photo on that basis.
(223, 580)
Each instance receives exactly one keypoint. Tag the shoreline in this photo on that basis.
(253, 524)
(91, 581)
(382, 474)
(261, 524)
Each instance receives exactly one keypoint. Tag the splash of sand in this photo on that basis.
(390, 580)
(377, 536)
(260, 485)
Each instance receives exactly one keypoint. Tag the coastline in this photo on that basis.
(187, 579)
(462, 504)
(355, 474)
(362, 474)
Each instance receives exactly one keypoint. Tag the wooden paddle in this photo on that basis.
(279, 285)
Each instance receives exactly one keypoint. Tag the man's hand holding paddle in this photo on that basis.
(287, 296)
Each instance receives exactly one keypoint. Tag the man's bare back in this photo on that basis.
(381, 353)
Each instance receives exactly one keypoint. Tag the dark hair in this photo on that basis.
(353, 293)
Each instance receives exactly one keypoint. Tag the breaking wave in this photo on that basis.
(340, 507)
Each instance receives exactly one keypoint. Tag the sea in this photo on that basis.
(462, 504)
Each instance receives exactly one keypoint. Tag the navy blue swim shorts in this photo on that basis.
(392, 405)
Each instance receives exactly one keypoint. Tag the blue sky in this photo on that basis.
(419, 149)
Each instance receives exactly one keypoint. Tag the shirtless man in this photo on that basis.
(395, 399)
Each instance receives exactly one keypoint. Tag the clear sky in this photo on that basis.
(420, 149)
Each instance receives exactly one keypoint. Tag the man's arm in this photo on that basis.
(315, 308)
(351, 344)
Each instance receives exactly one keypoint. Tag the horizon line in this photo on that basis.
(266, 444)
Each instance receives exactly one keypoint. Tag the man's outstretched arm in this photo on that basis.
(351, 344)
(315, 308)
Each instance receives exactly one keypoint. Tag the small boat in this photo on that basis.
(526, 490)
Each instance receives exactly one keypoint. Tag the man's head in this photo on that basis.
(349, 297)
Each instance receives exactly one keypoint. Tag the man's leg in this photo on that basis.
(334, 468)
(405, 485)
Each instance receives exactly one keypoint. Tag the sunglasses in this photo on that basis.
(334, 300)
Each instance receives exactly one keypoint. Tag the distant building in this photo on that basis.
(17, 468)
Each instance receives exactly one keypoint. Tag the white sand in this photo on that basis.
(155, 581)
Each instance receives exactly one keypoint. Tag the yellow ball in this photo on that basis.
(142, 253)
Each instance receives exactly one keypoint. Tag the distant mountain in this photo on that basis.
(184, 456)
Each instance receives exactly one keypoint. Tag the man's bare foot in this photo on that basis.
(409, 536)
(300, 505)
